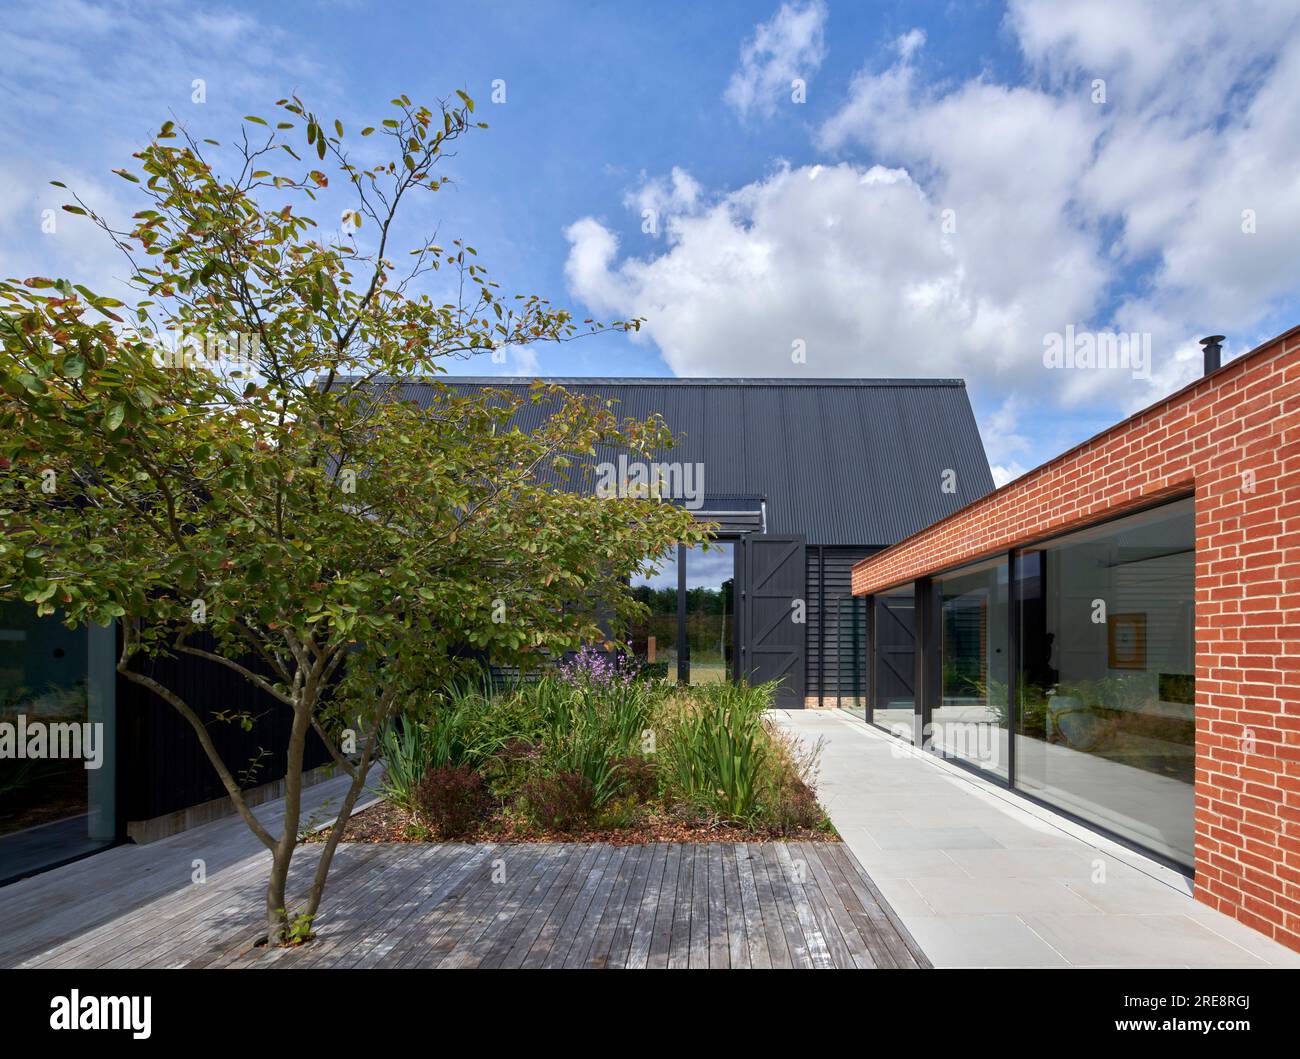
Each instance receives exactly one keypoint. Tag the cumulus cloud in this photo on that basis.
(1138, 177)
(659, 200)
(791, 44)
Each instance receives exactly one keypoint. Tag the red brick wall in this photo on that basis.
(1204, 439)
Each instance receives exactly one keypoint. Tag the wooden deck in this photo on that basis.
(459, 905)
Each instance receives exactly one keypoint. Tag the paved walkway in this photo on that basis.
(983, 878)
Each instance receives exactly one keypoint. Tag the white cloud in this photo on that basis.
(791, 44)
(659, 201)
(953, 226)
(523, 362)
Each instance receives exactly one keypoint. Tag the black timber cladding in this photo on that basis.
(829, 592)
(841, 461)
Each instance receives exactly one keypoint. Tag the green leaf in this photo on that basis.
(113, 418)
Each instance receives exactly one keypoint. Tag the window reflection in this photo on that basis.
(1106, 724)
(654, 638)
(710, 610)
(970, 719)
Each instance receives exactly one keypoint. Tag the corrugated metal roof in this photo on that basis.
(842, 461)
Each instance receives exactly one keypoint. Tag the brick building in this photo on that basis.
(1117, 634)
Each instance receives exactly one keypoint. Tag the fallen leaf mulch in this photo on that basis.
(386, 823)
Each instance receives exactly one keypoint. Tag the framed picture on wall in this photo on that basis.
(1127, 641)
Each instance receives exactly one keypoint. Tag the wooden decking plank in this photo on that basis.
(513, 908)
(53, 908)
(805, 865)
(440, 874)
(893, 934)
(818, 948)
(510, 867)
(869, 919)
(459, 910)
(508, 940)
(597, 905)
(584, 931)
(640, 932)
(409, 890)
(343, 926)
(179, 922)
(842, 904)
(539, 951)
(666, 909)
(577, 861)
(737, 943)
(755, 934)
(439, 907)
(679, 941)
(81, 951)
(553, 945)
(877, 930)
(620, 913)
(596, 953)
(783, 909)
(717, 935)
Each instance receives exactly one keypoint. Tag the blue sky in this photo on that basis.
(947, 193)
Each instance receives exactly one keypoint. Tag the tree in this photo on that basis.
(228, 456)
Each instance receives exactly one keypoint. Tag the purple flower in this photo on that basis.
(593, 668)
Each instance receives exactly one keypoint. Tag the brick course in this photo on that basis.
(1233, 440)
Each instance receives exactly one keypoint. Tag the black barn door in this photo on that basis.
(774, 615)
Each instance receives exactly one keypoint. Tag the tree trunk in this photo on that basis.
(277, 910)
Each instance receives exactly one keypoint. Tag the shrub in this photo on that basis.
(560, 801)
(638, 777)
(453, 801)
(792, 808)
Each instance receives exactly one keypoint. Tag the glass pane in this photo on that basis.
(851, 653)
(654, 639)
(710, 610)
(56, 707)
(894, 661)
(1106, 724)
(970, 719)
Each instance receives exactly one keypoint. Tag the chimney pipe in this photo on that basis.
(1213, 352)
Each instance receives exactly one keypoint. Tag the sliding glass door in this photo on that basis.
(1106, 723)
